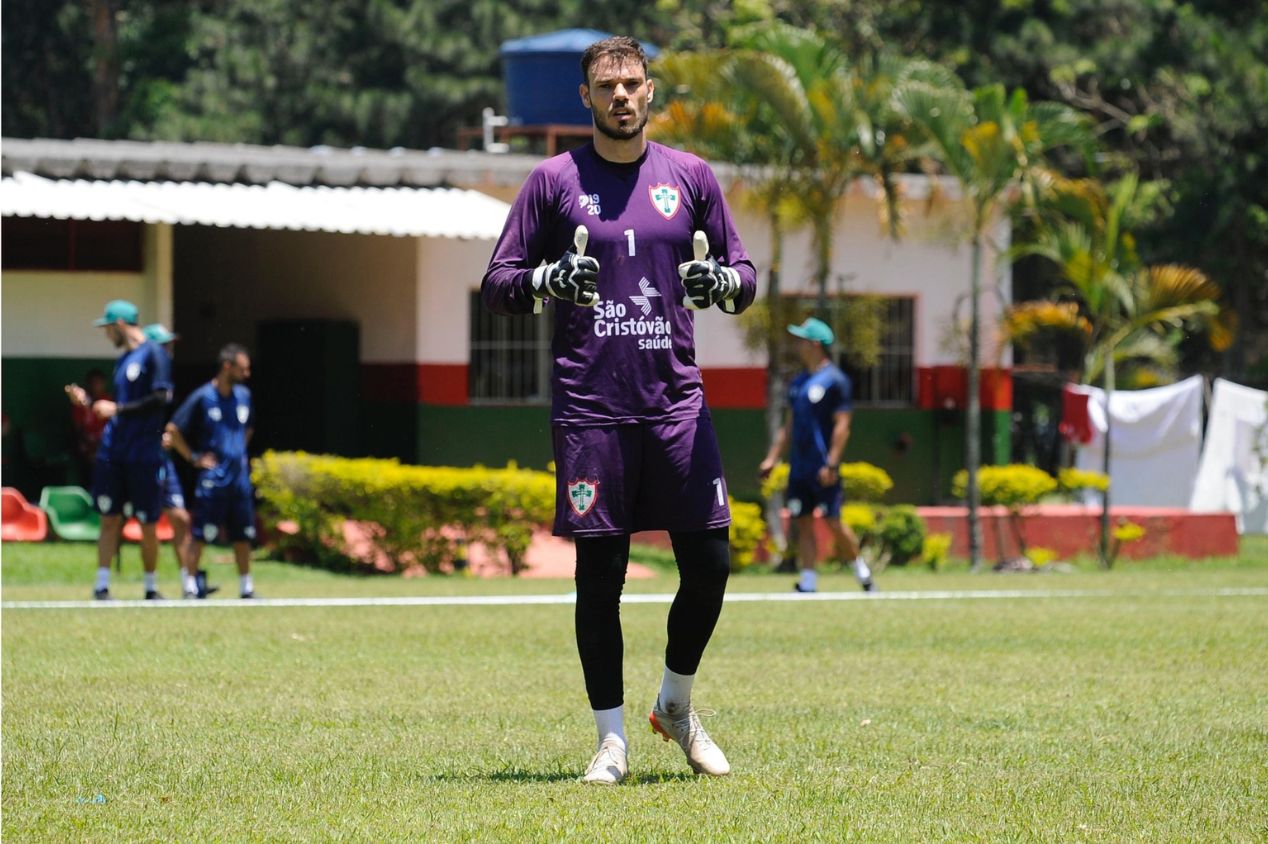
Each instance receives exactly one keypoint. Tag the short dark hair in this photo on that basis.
(619, 48)
(229, 354)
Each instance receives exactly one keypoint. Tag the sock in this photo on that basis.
(245, 585)
(611, 724)
(191, 584)
(151, 581)
(103, 578)
(861, 571)
(675, 691)
(809, 580)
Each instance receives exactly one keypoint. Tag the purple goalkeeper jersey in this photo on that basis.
(633, 357)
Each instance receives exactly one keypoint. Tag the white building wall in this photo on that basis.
(227, 280)
(50, 314)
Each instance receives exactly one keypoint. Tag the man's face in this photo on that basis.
(114, 333)
(617, 96)
(240, 370)
(809, 352)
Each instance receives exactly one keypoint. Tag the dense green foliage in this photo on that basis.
(1176, 89)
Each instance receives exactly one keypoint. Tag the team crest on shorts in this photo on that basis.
(664, 199)
(582, 495)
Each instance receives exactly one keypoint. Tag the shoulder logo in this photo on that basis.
(244, 413)
(582, 495)
(664, 199)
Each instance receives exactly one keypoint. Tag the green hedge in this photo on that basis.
(424, 515)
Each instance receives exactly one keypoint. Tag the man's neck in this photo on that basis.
(620, 152)
(223, 385)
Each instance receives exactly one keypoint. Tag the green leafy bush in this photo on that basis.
(424, 515)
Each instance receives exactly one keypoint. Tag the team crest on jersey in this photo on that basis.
(815, 394)
(133, 371)
(664, 199)
(213, 413)
(244, 413)
(582, 495)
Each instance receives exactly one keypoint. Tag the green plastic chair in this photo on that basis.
(70, 513)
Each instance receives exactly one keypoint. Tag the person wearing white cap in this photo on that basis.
(817, 429)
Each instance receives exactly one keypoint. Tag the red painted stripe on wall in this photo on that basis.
(429, 383)
(735, 388)
(946, 387)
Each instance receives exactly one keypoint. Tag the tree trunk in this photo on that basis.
(105, 72)
(1107, 560)
(973, 415)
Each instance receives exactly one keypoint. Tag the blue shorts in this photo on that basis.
(620, 479)
(806, 496)
(173, 496)
(225, 516)
(115, 485)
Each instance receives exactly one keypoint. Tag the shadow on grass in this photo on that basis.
(529, 777)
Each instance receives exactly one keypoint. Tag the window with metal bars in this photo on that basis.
(892, 381)
(510, 356)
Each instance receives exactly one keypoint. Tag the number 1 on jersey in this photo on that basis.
(629, 237)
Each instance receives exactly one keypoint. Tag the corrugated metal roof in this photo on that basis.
(90, 158)
(426, 212)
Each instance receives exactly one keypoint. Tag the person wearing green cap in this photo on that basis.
(130, 467)
(173, 497)
(817, 429)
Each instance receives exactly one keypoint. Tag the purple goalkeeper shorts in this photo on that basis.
(650, 476)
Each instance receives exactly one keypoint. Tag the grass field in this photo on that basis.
(1134, 711)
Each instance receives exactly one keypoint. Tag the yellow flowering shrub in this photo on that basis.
(1012, 486)
(1073, 480)
(748, 533)
(935, 550)
(860, 481)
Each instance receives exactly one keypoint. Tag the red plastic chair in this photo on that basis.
(21, 521)
(163, 527)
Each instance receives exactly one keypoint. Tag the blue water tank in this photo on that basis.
(542, 73)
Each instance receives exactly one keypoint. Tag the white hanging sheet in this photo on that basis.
(1232, 474)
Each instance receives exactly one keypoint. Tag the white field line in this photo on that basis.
(571, 598)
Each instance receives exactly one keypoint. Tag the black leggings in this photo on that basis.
(704, 562)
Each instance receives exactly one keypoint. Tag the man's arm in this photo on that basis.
(206, 460)
(507, 286)
(836, 447)
(777, 448)
(727, 247)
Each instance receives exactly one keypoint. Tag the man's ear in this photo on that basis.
(584, 90)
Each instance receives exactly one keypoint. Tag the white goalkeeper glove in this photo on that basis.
(573, 278)
(705, 281)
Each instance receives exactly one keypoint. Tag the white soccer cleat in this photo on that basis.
(609, 766)
(703, 755)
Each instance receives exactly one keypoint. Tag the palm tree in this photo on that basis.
(1129, 314)
(995, 145)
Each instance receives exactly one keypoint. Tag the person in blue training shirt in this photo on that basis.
(634, 445)
(817, 428)
(212, 430)
(173, 497)
(129, 468)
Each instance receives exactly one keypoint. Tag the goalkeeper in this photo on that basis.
(624, 239)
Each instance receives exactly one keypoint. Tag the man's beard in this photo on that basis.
(617, 133)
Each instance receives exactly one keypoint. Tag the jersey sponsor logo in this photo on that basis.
(664, 199)
(590, 204)
(815, 393)
(133, 371)
(643, 300)
(582, 495)
(244, 413)
(213, 413)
